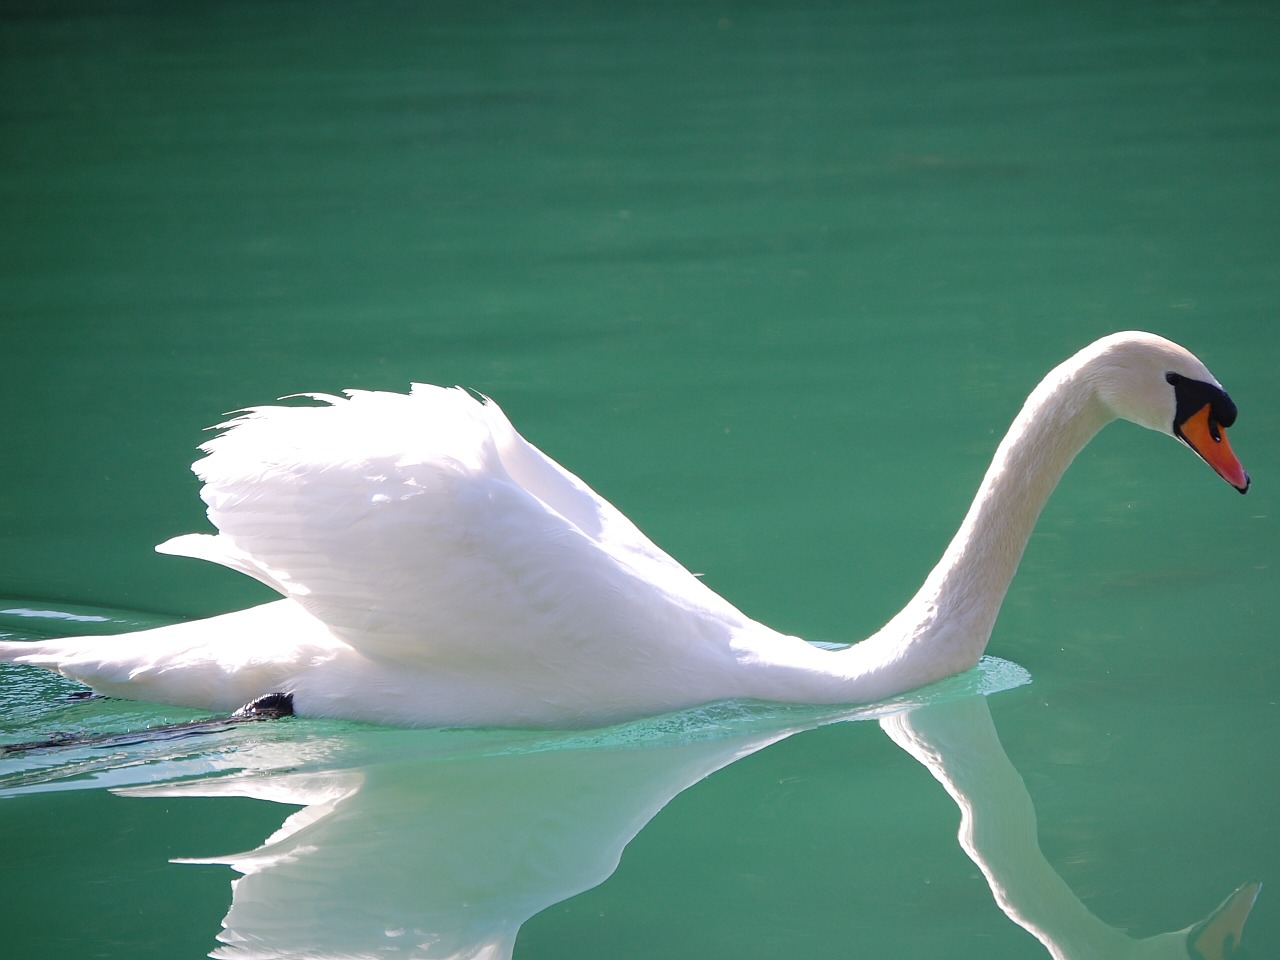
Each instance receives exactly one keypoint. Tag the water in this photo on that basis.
(773, 278)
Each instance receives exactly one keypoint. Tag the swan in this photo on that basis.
(439, 570)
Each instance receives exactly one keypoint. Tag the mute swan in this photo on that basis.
(438, 569)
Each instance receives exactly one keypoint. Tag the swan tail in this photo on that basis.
(18, 651)
(76, 659)
(220, 663)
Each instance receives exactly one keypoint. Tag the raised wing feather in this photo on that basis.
(423, 529)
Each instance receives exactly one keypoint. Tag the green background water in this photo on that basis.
(773, 278)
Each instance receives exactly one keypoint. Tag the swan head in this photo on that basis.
(1157, 384)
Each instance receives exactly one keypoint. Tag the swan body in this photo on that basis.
(437, 569)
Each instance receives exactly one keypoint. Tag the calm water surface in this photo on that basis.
(774, 278)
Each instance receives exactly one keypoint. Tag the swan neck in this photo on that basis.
(1056, 422)
(945, 627)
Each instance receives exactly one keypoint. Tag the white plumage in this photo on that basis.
(437, 569)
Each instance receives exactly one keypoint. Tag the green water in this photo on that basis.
(773, 278)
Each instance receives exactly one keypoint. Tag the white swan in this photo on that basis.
(438, 569)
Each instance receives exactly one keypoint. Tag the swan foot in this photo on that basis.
(273, 706)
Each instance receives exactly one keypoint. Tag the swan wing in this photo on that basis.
(423, 529)
(219, 550)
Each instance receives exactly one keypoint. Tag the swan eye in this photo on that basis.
(1193, 396)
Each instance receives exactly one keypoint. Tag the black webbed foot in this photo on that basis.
(273, 706)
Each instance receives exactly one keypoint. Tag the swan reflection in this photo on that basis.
(956, 741)
(446, 856)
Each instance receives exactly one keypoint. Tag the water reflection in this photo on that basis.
(957, 742)
(447, 855)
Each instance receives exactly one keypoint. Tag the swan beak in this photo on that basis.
(1202, 434)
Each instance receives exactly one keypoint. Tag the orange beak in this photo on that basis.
(1209, 440)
